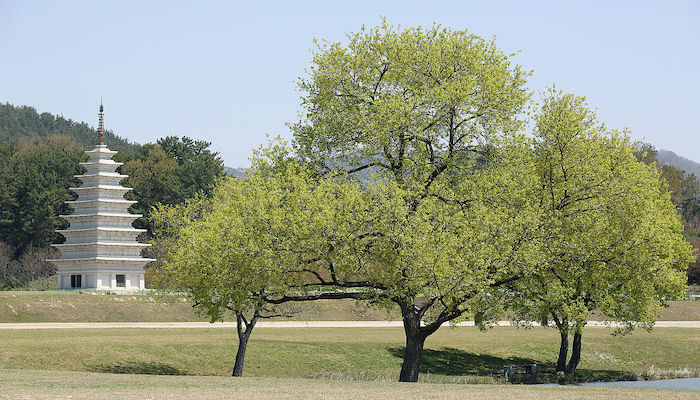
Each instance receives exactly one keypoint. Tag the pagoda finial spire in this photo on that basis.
(101, 128)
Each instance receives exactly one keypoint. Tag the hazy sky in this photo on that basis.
(225, 72)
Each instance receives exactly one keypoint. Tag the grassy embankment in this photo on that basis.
(55, 306)
(18, 384)
(452, 355)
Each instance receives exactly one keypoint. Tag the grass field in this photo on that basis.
(69, 306)
(30, 384)
(452, 355)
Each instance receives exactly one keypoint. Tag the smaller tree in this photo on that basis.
(611, 239)
(214, 251)
(236, 250)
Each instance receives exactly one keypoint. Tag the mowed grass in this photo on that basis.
(452, 355)
(68, 306)
(23, 384)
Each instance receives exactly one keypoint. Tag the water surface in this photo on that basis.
(664, 384)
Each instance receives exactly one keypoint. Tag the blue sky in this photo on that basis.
(225, 72)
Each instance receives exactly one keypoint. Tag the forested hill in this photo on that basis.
(670, 158)
(235, 172)
(24, 122)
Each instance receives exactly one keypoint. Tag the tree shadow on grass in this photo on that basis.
(455, 362)
(451, 361)
(139, 367)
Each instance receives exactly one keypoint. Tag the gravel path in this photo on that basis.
(277, 324)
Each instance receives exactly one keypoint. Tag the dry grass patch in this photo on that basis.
(23, 384)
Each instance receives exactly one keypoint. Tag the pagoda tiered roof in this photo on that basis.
(101, 238)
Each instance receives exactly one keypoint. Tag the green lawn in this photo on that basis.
(31, 384)
(453, 355)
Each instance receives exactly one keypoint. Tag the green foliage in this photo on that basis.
(685, 195)
(422, 109)
(442, 257)
(169, 172)
(35, 178)
(456, 213)
(683, 186)
(408, 103)
(432, 114)
(611, 238)
(227, 249)
(22, 122)
(694, 267)
(198, 167)
(152, 174)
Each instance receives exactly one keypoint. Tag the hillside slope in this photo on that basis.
(670, 158)
(235, 172)
(24, 122)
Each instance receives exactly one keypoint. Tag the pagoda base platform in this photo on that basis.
(102, 280)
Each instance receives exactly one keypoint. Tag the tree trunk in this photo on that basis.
(575, 354)
(414, 347)
(563, 351)
(243, 336)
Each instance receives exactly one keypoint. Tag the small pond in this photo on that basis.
(664, 384)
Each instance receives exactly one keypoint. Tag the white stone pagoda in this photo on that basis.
(101, 251)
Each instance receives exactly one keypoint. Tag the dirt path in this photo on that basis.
(277, 324)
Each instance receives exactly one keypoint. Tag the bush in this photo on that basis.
(30, 266)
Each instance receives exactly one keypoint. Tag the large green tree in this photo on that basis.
(611, 239)
(429, 112)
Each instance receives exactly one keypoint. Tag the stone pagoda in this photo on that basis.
(101, 251)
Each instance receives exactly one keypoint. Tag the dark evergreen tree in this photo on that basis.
(35, 181)
(170, 172)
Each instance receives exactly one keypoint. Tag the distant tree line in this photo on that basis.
(24, 122)
(38, 166)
